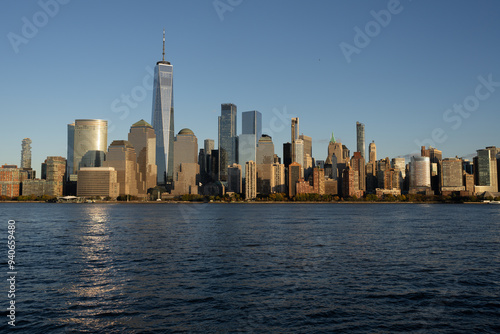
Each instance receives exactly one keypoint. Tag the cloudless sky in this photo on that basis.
(280, 57)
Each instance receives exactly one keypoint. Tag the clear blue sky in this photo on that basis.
(274, 56)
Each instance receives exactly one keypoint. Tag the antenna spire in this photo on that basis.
(163, 44)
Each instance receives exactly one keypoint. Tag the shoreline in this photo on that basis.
(244, 202)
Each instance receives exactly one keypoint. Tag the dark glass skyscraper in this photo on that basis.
(228, 140)
(163, 118)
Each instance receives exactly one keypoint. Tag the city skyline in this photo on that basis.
(404, 97)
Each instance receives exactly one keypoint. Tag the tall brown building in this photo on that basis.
(358, 165)
(294, 174)
(55, 175)
(122, 157)
(186, 152)
(250, 180)
(143, 138)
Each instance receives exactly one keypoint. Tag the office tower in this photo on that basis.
(265, 178)
(279, 178)
(122, 157)
(298, 153)
(92, 158)
(307, 145)
(453, 179)
(250, 180)
(251, 122)
(251, 133)
(214, 165)
(294, 174)
(399, 165)
(97, 182)
(228, 140)
(88, 135)
(234, 181)
(247, 149)
(486, 170)
(26, 153)
(436, 157)
(360, 138)
(358, 165)
(143, 138)
(208, 148)
(10, 181)
(162, 119)
(287, 154)
(294, 138)
(70, 150)
(265, 150)
(336, 148)
(55, 174)
(372, 149)
(186, 168)
(420, 172)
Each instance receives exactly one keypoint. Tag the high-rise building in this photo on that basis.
(294, 138)
(248, 140)
(162, 119)
(55, 174)
(10, 181)
(486, 170)
(372, 149)
(420, 173)
(294, 174)
(358, 165)
(234, 178)
(228, 140)
(70, 151)
(265, 150)
(206, 166)
(436, 158)
(247, 149)
(250, 180)
(307, 145)
(279, 178)
(453, 179)
(287, 154)
(251, 122)
(185, 153)
(265, 178)
(360, 138)
(88, 135)
(97, 181)
(26, 153)
(143, 138)
(122, 157)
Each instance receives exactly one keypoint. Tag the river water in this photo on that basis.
(280, 268)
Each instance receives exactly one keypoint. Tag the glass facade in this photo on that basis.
(252, 123)
(247, 150)
(228, 141)
(89, 135)
(163, 120)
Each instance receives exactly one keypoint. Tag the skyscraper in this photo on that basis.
(486, 170)
(360, 138)
(122, 157)
(234, 178)
(142, 137)
(294, 138)
(420, 172)
(252, 123)
(228, 140)
(372, 149)
(26, 153)
(265, 150)
(250, 180)
(70, 150)
(186, 168)
(162, 118)
(88, 135)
